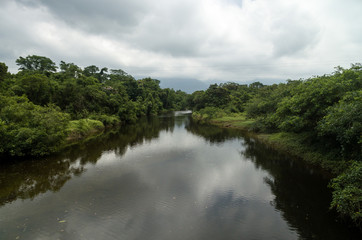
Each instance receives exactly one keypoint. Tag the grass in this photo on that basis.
(236, 120)
(347, 197)
(295, 144)
(292, 143)
(79, 129)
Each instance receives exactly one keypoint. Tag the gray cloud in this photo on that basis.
(95, 16)
(294, 33)
(185, 84)
(209, 40)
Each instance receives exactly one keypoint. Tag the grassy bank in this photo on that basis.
(347, 191)
(291, 143)
(83, 128)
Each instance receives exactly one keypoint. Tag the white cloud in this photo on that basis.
(220, 40)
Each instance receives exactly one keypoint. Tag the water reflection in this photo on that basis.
(211, 133)
(156, 180)
(301, 194)
(28, 178)
(300, 191)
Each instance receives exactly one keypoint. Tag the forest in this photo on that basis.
(319, 118)
(44, 106)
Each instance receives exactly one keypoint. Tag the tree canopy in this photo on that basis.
(71, 94)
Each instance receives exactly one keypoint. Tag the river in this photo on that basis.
(168, 177)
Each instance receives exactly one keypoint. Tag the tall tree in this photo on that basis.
(37, 87)
(3, 71)
(70, 69)
(91, 70)
(36, 63)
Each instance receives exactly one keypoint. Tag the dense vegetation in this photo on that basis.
(322, 114)
(42, 108)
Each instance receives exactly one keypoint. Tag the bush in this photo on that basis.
(29, 129)
(107, 120)
(209, 113)
(347, 194)
(83, 128)
(343, 122)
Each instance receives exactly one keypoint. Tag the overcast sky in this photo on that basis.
(180, 40)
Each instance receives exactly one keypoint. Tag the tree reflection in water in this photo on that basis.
(27, 178)
(300, 191)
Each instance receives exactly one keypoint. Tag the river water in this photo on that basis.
(167, 178)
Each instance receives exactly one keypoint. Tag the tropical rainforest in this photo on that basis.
(318, 119)
(43, 106)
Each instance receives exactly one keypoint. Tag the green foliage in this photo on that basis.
(36, 121)
(120, 79)
(343, 122)
(70, 70)
(29, 129)
(307, 103)
(319, 119)
(36, 64)
(256, 85)
(216, 96)
(128, 112)
(150, 95)
(91, 70)
(197, 100)
(327, 106)
(229, 96)
(263, 106)
(84, 127)
(3, 71)
(37, 104)
(347, 194)
(37, 87)
(107, 120)
(173, 100)
(209, 113)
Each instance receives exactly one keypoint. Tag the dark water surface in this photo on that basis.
(167, 178)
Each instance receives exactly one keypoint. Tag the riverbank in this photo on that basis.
(290, 143)
(347, 181)
(83, 130)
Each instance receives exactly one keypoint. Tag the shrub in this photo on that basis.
(107, 120)
(29, 129)
(347, 194)
(83, 127)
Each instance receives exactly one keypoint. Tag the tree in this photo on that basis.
(347, 193)
(308, 101)
(37, 87)
(70, 69)
(29, 129)
(217, 96)
(3, 71)
(343, 122)
(119, 78)
(91, 70)
(197, 100)
(256, 85)
(150, 92)
(36, 63)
